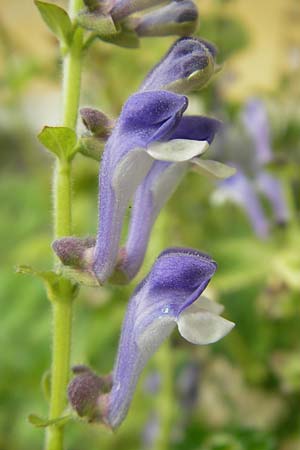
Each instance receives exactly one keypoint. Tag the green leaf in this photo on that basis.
(59, 140)
(52, 282)
(39, 422)
(57, 19)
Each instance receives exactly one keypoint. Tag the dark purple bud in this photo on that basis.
(85, 390)
(74, 252)
(123, 8)
(177, 18)
(188, 65)
(96, 122)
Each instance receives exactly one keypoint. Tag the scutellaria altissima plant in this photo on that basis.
(143, 155)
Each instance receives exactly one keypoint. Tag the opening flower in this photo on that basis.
(252, 178)
(170, 295)
(149, 150)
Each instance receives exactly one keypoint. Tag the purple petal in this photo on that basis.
(145, 118)
(198, 128)
(152, 194)
(176, 280)
(256, 121)
(272, 189)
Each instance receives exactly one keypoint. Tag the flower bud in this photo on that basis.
(124, 8)
(85, 390)
(177, 18)
(188, 65)
(74, 252)
(96, 122)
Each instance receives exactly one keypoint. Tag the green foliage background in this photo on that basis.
(250, 381)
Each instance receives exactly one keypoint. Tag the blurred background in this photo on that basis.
(240, 394)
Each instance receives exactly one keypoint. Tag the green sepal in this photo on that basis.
(57, 20)
(91, 147)
(59, 140)
(102, 24)
(80, 276)
(124, 38)
(40, 422)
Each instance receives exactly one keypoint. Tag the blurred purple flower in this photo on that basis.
(243, 189)
(169, 295)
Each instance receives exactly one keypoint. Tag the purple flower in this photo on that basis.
(252, 178)
(147, 117)
(150, 128)
(149, 150)
(169, 295)
(240, 190)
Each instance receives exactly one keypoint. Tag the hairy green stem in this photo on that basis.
(62, 302)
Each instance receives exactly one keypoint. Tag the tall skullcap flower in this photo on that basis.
(148, 152)
(253, 178)
(171, 294)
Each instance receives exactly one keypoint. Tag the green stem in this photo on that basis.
(72, 80)
(62, 303)
(62, 324)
